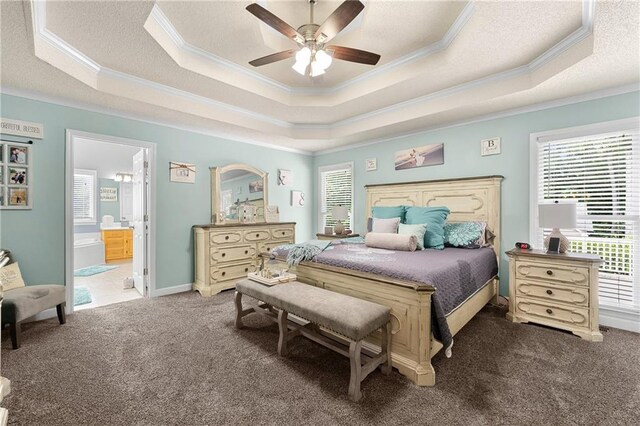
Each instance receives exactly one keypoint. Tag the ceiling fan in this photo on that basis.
(314, 54)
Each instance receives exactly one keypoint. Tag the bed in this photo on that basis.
(410, 295)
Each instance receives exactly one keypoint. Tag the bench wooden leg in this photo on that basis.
(386, 348)
(355, 349)
(61, 315)
(238, 300)
(14, 330)
(284, 331)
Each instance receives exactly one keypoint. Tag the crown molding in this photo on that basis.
(54, 50)
(598, 94)
(186, 54)
(55, 100)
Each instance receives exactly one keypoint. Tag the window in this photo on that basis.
(336, 189)
(84, 196)
(601, 172)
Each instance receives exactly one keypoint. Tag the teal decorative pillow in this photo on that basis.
(465, 234)
(417, 230)
(434, 218)
(389, 212)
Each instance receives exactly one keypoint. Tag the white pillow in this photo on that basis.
(10, 277)
(385, 226)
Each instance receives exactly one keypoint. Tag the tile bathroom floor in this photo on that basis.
(106, 288)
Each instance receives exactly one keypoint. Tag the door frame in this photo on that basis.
(68, 210)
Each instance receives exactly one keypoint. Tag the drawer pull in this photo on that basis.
(549, 311)
(224, 273)
(226, 237)
(246, 252)
(257, 235)
(224, 254)
(549, 272)
(246, 269)
(268, 248)
(283, 232)
(549, 292)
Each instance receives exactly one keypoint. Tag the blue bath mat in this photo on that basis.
(92, 270)
(81, 296)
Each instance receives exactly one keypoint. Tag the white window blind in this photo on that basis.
(602, 174)
(336, 189)
(84, 196)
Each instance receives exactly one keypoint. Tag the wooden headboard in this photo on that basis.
(476, 198)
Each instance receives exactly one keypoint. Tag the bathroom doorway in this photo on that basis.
(109, 220)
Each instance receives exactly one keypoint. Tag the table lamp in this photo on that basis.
(556, 216)
(339, 213)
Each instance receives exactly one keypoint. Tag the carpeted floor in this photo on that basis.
(178, 360)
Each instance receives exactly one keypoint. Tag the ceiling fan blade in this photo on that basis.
(353, 55)
(275, 57)
(274, 22)
(338, 20)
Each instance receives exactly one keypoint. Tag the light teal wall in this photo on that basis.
(462, 158)
(36, 237)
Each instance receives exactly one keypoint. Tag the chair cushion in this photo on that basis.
(22, 303)
(351, 317)
(10, 277)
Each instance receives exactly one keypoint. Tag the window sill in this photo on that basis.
(84, 223)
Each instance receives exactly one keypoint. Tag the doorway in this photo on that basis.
(109, 223)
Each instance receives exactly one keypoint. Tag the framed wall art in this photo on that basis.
(428, 155)
(182, 172)
(15, 175)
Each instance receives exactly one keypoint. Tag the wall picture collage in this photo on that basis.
(15, 175)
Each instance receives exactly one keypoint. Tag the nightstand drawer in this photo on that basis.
(552, 314)
(553, 272)
(572, 295)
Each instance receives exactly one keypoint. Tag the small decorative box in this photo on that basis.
(284, 278)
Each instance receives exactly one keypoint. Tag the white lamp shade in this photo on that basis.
(340, 213)
(557, 215)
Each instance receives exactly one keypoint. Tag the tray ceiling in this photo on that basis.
(439, 60)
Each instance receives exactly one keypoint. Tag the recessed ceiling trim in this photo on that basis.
(57, 52)
(186, 49)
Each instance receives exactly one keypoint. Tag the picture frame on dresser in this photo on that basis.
(16, 180)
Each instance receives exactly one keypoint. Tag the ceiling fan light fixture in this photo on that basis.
(300, 67)
(323, 59)
(316, 69)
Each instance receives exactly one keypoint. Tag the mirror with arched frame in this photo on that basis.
(234, 186)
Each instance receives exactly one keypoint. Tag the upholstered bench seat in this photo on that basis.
(346, 315)
(21, 303)
(353, 318)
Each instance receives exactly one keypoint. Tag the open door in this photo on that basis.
(140, 222)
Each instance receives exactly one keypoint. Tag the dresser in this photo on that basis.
(225, 253)
(556, 290)
(118, 244)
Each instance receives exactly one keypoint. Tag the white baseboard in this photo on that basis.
(624, 320)
(172, 290)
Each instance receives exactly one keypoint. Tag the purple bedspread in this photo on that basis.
(455, 273)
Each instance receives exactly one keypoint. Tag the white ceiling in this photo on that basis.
(186, 63)
(106, 158)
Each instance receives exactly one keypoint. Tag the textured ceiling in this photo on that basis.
(497, 38)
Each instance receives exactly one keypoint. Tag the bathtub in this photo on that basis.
(88, 250)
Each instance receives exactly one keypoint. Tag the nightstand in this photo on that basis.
(334, 236)
(557, 290)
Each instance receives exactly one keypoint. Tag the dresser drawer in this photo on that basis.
(269, 245)
(572, 295)
(282, 233)
(553, 272)
(225, 237)
(231, 272)
(226, 253)
(551, 313)
(257, 235)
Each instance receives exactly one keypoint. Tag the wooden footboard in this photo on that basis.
(412, 343)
